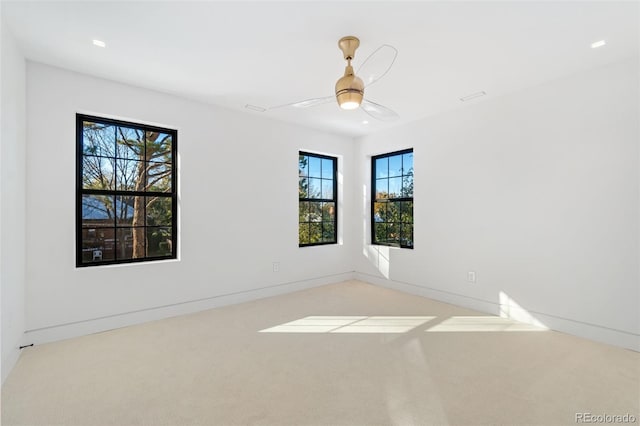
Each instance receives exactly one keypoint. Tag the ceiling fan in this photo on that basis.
(349, 89)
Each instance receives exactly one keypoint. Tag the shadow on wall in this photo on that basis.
(512, 310)
(509, 309)
(380, 258)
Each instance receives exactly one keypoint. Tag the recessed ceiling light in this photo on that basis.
(365, 122)
(597, 44)
(99, 43)
(473, 96)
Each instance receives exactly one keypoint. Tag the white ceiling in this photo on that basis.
(271, 53)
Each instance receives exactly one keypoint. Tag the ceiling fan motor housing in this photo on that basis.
(349, 91)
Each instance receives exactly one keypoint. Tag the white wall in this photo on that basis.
(537, 192)
(12, 200)
(237, 199)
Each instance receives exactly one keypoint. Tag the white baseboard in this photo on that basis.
(96, 325)
(594, 332)
(65, 331)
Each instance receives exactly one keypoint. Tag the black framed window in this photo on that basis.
(392, 199)
(318, 204)
(126, 200)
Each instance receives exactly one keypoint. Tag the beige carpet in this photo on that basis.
(344, 354)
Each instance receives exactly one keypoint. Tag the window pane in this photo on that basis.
(393, 212)
(117, 159)
(407, 185)
(130, 243)
(303, 187)
(382, 188)
(395, 165)
(315, 211)
(97, 211)
(126, 207)
(98, 139)
(407, 163)
(129, 175)
(159, 177)
(395, 187)
(303, 233)
(393, 233)
(380, 212)
(97, 245)
(315, 168)
(159, 211)
(97, 173)
(327, 168)
(328, 212)
(315, 233)
(158, 147)
(393, 182)
(315, 190)
(130, 143)
(380, 232)
(327, 189)
(328, 229)
(406, 215)
(159, 242)
(382, 167)
(407, 235)
(303, 211)
(303, 165)
(317, 219)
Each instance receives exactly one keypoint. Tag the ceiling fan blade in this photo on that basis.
(377, 111)
(308, 102)
(377, 65)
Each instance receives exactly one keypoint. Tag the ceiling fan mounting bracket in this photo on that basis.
(348, 45)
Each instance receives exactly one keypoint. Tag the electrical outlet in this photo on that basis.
(276, 266)
(471, 277)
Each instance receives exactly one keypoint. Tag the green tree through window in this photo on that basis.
(318, 196)
(392, 199)
(126, 192)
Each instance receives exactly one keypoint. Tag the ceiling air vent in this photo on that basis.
(255, 108)
(473, 96)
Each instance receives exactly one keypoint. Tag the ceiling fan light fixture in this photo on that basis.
(349, 105)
